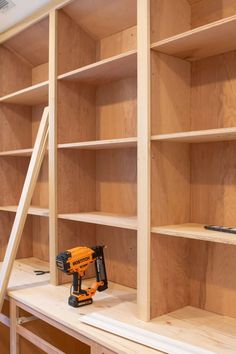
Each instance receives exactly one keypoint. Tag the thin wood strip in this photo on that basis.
(4, 320)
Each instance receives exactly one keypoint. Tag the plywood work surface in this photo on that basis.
(197, 232)
(51, 301)
(207, 331)
(23, 273)
(202, 42)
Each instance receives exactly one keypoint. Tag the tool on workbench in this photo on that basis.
(231, 230)
(75, 262)
(41, 272)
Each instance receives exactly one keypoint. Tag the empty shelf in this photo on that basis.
(20, 152)
(33, 210)
(29, 96)
(101, 144)
(115, 68)
(124, 222)
(199, 136)
(196, 232)
(23, 273)
(212, 39)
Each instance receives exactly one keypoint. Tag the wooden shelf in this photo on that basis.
(32, 95)
(199, 136)
(212, 39)
(101, 144)
(196, 232)
(23, 273)
(124, 222)
(20, 152)
(112, 69)
(33, 210)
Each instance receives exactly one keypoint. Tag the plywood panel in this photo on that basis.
(117, 43)
(169, 274)
(26, 247)
(74, 234)
(40, 196)
(15, 74)
(32, 44)
(76, 181)
(212, 285)
(116, 111)
(170, 184)
(5, 339)
(40, 234)
(15, 127)
(12, 176)
(213, 183)
(204, 12)
(120, 254)
(75, 47)
(97, 16)
(213, 92)
(168, 18)
(40, 73)
(37, 112)
(170, 95)
(76, 112)
(116, 181)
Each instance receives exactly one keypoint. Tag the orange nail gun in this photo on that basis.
(75, 261)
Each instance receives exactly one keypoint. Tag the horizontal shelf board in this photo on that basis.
(33, 210)
(196, 232)
(29, 96)
(199, 136)
(23, 275)
(20, 152)
(124, 222)
(212, 39)
(101, 144)
(112, 69)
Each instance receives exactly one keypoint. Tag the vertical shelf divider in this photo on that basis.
(143, 236)
(53, 242)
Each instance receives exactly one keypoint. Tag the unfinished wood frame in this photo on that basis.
(193, 178)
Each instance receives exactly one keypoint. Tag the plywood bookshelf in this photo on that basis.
(141, 148)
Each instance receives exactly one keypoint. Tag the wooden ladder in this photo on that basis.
(24, 203)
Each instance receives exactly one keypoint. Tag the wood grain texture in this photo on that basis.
(15, 127)
(26, 244)
(213, 181)
(117, 43)
(97, 17)
(40, 73)
(76, 112)
(213, 92)
(32, 44)
(204, 12)
(170, 94)
(116, 109)
(170, 183)
(116, 176)
(120, 254)
(15, 74)
(76, 181)
(169, 18)
(40, 196)
(12, 175)
(75, 47)
(5, 339)
(212, 286)
(169, 274)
